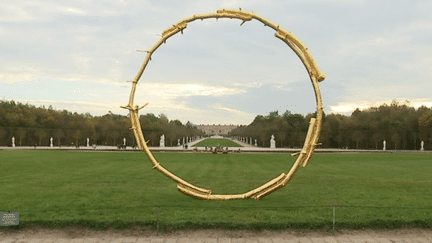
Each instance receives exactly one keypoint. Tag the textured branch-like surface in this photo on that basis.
(315, 74)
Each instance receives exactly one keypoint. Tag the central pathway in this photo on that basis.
(246, 145)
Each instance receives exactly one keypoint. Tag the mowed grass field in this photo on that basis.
(98, 189)
(213, 142)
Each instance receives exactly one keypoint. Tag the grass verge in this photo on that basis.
(213, 142)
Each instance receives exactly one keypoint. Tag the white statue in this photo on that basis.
(13, 141)
(51, 141)
(88, 142)
(187, 139)
(178, 142)
(250, 140)
(162, 141)
(272, 142)
(183, 141)
(124, 141)
(384, 144)
(256, 145)
(422, 146)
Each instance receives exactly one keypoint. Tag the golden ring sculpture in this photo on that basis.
(311, 141)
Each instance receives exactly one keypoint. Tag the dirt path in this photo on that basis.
(138, 231)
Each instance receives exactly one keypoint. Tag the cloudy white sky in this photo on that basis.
(78, 55)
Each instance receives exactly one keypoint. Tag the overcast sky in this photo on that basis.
(78, 55)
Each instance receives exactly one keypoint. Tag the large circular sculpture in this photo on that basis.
(314, 129)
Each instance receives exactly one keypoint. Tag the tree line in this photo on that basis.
(402, 126)
(34, 126)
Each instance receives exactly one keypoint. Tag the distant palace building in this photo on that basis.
(216, 129)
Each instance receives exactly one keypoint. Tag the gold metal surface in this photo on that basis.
(315, 74)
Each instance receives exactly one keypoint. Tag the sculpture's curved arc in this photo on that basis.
(315, 74)
(301, 50)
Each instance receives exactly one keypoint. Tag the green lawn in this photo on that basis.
(58, 188)
(213, 142)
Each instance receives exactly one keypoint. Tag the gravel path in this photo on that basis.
(139, 234)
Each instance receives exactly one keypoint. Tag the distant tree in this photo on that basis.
(425, 120)
(114, 135)
(425, 127)
(2, 133)
(21, 132)
(41, 134)
(77, 136)
(59, 134)
(298, 127)
(281, 127)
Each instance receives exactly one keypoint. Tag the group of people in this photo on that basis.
(215, 150)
